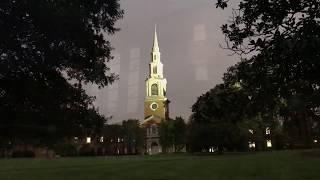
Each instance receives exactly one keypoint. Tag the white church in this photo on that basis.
(156, 104)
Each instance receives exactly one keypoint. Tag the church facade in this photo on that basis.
(156, 104)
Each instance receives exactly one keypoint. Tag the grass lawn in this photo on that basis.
(286, 165)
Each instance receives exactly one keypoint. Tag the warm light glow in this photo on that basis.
(211, 150)
(268, 131)
(88, 140)
(269, 143)
(252, 144)
(251, 131)
(101, 139)
(315, 141)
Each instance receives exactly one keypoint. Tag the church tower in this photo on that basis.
(156, 104)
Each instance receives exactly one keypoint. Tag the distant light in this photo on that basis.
(101, 139)
(315, 141)
(269, 143)
(251, 131)
(252, 144)
(88, 140)
(211, 150)
(268, 131)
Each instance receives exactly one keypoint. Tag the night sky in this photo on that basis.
(189, 37)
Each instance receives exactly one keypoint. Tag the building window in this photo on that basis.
(269, 143)
(154, 129)
(101, 139)
(154, 89)
(88, 140)
(268, 131)
(252, 145)
(155, 70)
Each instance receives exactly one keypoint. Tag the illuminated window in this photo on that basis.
(101, 139)
(154, 89)
(88, 140)
(252, 145)
(315, 141)
(250, 131)
(269, 143)
(212, 150)
(268, 131)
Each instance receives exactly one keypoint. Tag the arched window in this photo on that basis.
(154, 89)
(155, 70)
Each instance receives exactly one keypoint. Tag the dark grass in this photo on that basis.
(284, 165)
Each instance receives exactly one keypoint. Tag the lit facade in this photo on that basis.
(156, 104)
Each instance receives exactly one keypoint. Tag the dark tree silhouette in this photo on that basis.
(48, 49)
(279, 42)
(173, 134)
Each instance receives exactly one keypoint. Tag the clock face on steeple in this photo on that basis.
(154, 106)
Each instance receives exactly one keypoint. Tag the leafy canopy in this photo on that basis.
(47, 50)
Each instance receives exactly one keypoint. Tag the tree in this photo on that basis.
(173, 134)
(133, 135)
(225, 118)
(166, 132)
(217, 118)
(48, 49)
(180, 134)
(279, 40)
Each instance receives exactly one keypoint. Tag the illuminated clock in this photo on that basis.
(154, 106)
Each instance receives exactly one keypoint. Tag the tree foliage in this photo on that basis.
(173, 134)
(216, 120)
(48, 49)
(279, 42)
(133, 135)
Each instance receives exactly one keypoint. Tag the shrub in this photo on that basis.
(64, 149)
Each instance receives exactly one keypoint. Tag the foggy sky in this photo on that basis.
(189, 36)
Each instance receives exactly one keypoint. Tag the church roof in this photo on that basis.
(153, 119)
(155, 47)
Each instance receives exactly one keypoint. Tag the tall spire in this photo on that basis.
(155, 47)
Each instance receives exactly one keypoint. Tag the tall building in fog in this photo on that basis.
(156, 104)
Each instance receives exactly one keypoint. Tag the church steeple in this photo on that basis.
(156, 104)
(155, 47)
(156, 83)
